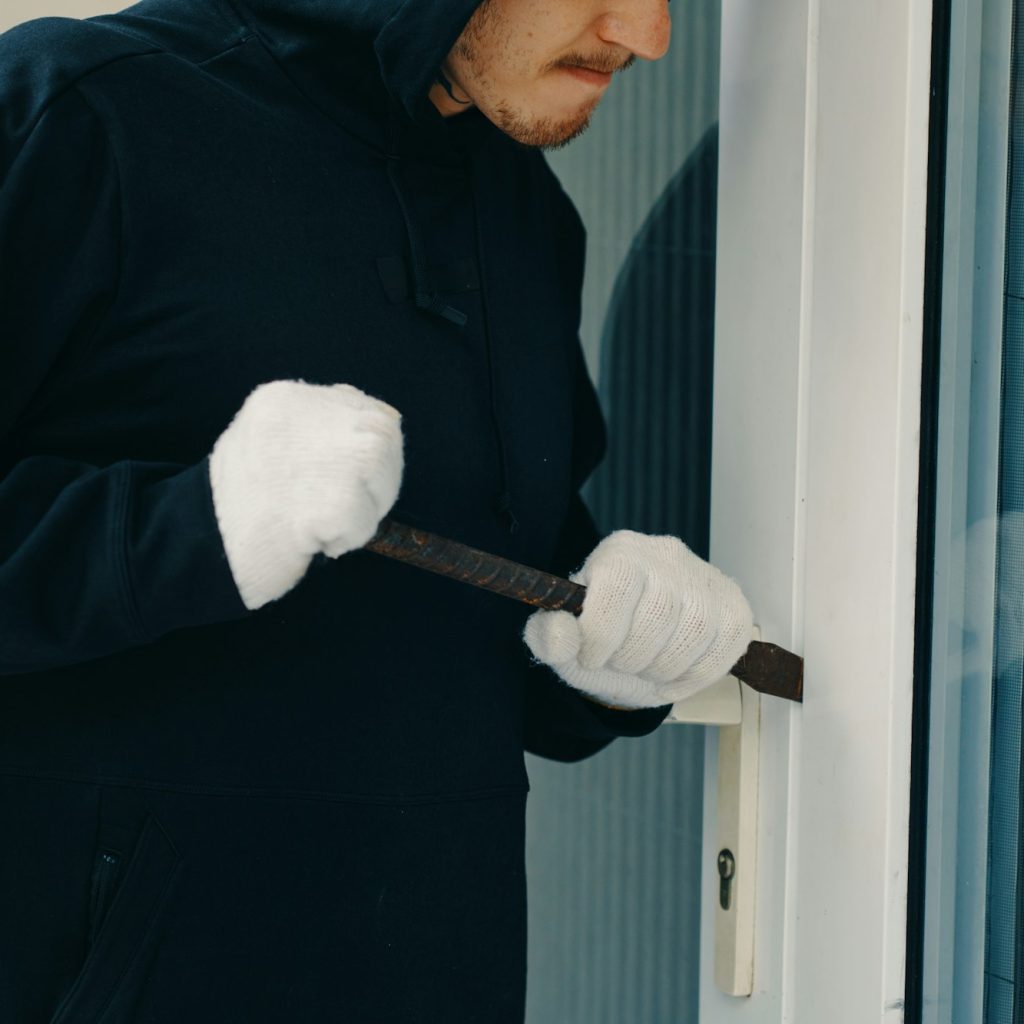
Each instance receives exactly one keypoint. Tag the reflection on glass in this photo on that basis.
(656, 365)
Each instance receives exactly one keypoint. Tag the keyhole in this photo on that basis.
(726, 870)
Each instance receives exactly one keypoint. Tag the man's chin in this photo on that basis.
(543, 133)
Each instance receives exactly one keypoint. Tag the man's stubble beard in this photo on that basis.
(545, 133)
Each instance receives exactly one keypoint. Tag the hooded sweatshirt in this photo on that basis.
(314, 811)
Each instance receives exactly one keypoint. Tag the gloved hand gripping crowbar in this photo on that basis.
(765, 667)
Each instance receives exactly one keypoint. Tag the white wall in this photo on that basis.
(13, 12)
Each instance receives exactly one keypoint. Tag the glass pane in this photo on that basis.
(614, 843)
(1004, 1002)
(972, 934)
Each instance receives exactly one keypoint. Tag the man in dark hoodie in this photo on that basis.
(268, 271)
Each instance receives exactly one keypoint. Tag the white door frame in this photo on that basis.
(821, 251)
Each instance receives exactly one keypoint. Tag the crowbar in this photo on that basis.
(765, 667)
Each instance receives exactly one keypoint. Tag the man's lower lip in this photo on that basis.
(586, 75)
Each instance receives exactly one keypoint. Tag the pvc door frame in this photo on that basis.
(819, 304)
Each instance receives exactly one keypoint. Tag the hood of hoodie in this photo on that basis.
(370, 64)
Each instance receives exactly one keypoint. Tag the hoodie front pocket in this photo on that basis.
(127, 899)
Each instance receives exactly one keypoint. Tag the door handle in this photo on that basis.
(736, 709)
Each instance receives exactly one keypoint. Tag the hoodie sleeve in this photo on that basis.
(562, 724)
(93, 558)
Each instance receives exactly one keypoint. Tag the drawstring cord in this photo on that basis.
(429, 301)
(426, 299)
(503, 500)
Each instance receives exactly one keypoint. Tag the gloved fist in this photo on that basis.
(301, 469)
(658, 624)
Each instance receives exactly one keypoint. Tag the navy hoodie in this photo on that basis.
(314, 811)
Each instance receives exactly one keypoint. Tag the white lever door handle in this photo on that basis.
(736, 708)
(734, 873)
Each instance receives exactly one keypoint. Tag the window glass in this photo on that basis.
(972, 932)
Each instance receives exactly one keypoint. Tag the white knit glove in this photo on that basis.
(301, 469)
(658, 624)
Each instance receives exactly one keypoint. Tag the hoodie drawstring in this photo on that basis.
(426, 298)
(429, 301)
(503, 499)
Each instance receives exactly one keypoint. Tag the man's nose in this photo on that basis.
(641, 26)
